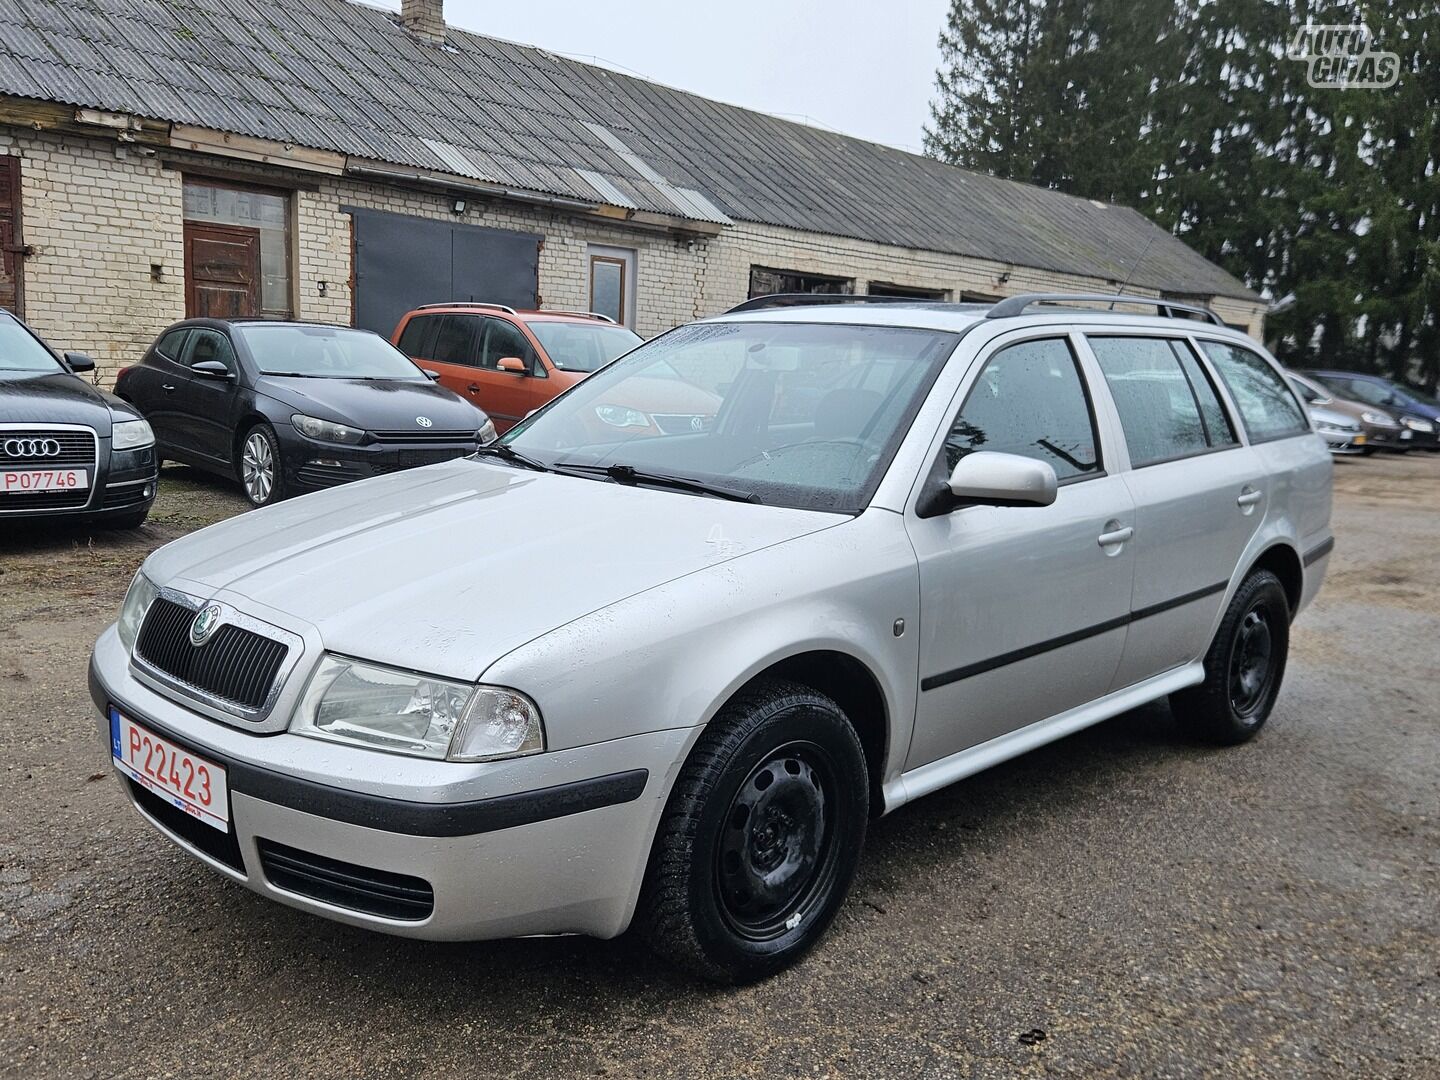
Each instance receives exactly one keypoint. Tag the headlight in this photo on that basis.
(404, 712)
(131, 435)
(312, 427)
(1379, 419)
(1335, 429)
(619, 416)
(132, 612)
(1414, 423)
(486, 434)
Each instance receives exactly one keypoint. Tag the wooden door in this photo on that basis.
(11, 253)
(222, 271)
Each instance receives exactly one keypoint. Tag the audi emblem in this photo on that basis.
(32, 448)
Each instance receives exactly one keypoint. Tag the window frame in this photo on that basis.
(628, 260)
(1237, 417)
(989, 352)
(1173, 341)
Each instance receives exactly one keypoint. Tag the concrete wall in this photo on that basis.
(107, 273)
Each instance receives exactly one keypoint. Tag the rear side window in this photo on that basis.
(171, 345)
(1267, 405)
(414, 339)
(455, 341)
(1029, 400)
(1167, 407)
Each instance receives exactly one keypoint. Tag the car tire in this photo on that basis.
(1243, 668)
(760, 838)
(261, 469)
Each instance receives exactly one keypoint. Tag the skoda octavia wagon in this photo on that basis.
(912, 541)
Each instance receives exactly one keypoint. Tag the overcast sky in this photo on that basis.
(857, 66)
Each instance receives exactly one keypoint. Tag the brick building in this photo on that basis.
(328, 160)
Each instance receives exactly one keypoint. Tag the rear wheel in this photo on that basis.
(262, 473)
(761, 837)
(1244, 666)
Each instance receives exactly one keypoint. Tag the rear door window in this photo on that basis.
(456, 340)
(172, 346)
(1268, 407)
(1029, 399)
(1168, 408)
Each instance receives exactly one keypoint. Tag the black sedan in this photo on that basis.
(67, 449)
(289, 407)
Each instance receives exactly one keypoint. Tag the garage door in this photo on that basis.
(402, 262)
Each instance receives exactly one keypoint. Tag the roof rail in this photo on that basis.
(579, 314)
(470, 303)
(775, 300)
(1016, 305)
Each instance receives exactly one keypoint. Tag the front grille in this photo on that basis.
(222, 847)
(236, 665)
(681, 423)
(360, 888)
(421, 435)
(76, 449)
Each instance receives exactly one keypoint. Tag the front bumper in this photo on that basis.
(312, 466)
(549, 844)
(1348, 442)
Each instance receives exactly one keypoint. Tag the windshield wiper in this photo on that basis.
(628, 474)
(508, 453)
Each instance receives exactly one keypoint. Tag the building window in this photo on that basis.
(970, 296)
(237, 251)
(612, 283)
(914, 292)
(767, 282)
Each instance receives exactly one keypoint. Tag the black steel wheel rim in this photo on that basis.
(778, 854)
(1252, 667)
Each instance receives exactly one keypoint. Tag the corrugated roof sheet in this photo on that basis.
(346, 77)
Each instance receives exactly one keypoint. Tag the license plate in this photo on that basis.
(1359, 440)
(189, 782)
(24, 481)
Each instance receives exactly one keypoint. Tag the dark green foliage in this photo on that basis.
(1193, 113)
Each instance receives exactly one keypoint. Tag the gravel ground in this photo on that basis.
(1122, 903)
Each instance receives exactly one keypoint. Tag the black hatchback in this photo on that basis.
(68, 449)
(289, 407)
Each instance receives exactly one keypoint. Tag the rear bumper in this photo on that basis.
(557, 844)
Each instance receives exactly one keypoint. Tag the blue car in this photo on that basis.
(1419, 414)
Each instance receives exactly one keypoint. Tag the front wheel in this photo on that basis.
(761, 836)
(262, 473)
(1243, 668)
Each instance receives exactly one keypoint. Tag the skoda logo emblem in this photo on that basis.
(205, 623)
(32, 448)
(423, 421)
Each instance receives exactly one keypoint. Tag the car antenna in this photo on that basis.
(1136, 266)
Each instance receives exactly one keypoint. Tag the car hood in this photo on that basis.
(447, 568)
(57, 398)
(375, 405)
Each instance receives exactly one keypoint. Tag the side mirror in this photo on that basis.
(431, 374)
(79, 362)
(210, 369)
(990, 479)
(513, 364)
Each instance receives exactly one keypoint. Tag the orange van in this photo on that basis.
(505, 361)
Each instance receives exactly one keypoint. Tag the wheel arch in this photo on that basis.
(248, 420)
(1282, 560)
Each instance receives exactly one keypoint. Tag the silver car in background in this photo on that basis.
(665, 678)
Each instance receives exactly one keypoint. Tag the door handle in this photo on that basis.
(169, 388)
(473, 388)
(1116, 536)
(1249, 496)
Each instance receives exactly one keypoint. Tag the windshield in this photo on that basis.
(804, 415)
(326, 352)
(583, 346)
(19, 351)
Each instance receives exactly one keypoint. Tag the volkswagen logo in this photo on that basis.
(205, 623)
(32, 448)
(423, 421)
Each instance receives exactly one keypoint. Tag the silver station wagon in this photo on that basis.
(647, 662)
